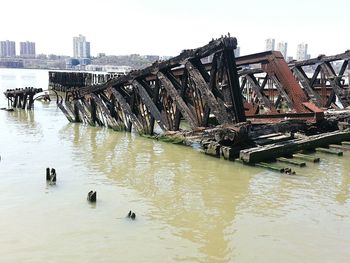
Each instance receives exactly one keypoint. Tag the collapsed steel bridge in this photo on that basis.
(159, 94)
(259, 87)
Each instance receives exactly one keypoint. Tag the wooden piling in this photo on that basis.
(330, 151)
(47, 174)
(306, 157)
(340, 147)
(270, 167)
(259, 154)
(276, 168)
(291, 161)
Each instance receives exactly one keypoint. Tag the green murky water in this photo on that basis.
(189, 207)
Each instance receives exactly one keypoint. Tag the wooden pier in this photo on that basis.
(21, 98)
(66, 80)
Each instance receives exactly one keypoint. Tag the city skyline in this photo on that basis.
(166, 28)
(81, 49)
(282, 46)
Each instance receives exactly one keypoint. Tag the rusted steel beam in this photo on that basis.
(151, 71)
(334, 81)
(185, 111)
(273, 63)
(127, 110)
(343, 68)
(233, 84)
(279, 68)
(94, 112)
(182, 89)
(156, 89)
(76, 111)
(257, 58)
(111, 105)
(314, 76)
(111, 122)
(145, 97)
(217, 109)
(321, 59)
(86, 116)
(282, 91)
(255, 85)
(305, 82)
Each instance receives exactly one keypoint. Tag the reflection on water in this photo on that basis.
(189, 207)
(187, 190)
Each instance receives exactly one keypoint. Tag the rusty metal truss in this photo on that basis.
(184, 90)
(324, 79)
(271, 91)
(167, 92)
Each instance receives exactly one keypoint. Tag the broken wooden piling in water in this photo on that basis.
(329, 151)
(305, 157)
(291, 161)
(274, 167)
(91, 197)
(340, 147)
(279, 149)
(21, 98)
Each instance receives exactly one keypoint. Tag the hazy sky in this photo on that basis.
(166, 27)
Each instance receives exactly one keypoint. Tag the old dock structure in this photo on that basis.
(254, 108)
(66, 80)
(21, 98)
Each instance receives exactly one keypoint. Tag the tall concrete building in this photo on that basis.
(269, 44)
(81, 48)
(282, 47)
(27, 49)
(7, 48)
(302, 52)
(237, 52)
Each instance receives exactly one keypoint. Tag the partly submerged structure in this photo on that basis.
(254, 107)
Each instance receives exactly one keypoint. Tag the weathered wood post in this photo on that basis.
(47, 174)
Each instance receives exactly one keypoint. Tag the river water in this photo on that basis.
(189, 207)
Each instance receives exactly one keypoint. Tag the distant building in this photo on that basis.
(11, 63)
(302, 52)
(81, 48)
(237, 52)
(289, 59)
(269, 44)
(282, 47)
(27, 49)
(71, 63)
(101, 55)
(7, 49)
(151, 57)
(169, 57)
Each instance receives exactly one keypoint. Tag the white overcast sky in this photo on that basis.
(164, 27)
